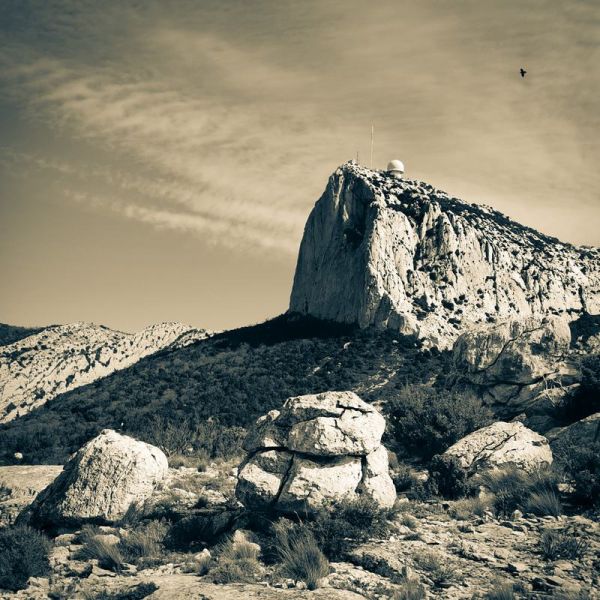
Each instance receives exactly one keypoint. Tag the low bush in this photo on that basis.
(144, 541)
(425, 421)
(23, 554)
(448, 478)
(202, 528)
(544, 503)
(137, 592)
(298, 552)
(237, 563)
(468, 508)
(5, 491)
(410, 590)
(339, 528)
(581, 465)
(556, 544)
(513, 489)
(96, 546)
(437, 568)
(403, 477)
(502, 590)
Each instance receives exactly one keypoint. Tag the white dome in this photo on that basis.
(396, 166)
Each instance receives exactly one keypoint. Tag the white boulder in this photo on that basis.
(100, 482)
(502, 444)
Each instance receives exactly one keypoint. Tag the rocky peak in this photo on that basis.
(401, 254)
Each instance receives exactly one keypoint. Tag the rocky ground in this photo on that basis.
(445, 547)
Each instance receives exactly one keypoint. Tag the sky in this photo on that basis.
(158, 159)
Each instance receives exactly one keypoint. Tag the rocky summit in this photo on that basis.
(61, 358)
(402, 255)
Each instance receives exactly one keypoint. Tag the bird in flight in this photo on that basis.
(523, 71)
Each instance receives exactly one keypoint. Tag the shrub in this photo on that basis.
(106, 553)
(449, 477)
(23, 554)
(410, 590)
(556, 544)
(502, 590)
(206, 527)
(582, 468)
(403, 477)
(237, 563)
(438, 570)
(426, 421)
(300, 556)
(5, 491)
(409, 521)
(339, 528)
(467, 508)
(544, 503)
(144, 541)
(514, 488)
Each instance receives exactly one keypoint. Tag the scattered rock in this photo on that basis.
(502, 444)
(102, 480)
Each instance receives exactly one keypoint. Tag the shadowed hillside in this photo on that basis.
(9, 334)
(233, 378)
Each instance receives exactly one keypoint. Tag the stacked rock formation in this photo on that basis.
(402, 255)
(319, 449)
(102, 480)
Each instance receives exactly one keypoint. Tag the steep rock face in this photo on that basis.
(400, 254)
(100, 482)
(63, 357)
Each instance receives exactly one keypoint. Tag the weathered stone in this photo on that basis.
(265, 434)
(502, 444)
(261, 478)
(312, 483)
(102, 480)
(332, 424)
(376, 482)
(511, 364)
(582, 433)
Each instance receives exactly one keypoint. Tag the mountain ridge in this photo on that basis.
(41, 366)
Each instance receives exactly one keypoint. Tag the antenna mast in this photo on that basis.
(372, 136)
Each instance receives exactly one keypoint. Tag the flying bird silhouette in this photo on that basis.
(523, 71)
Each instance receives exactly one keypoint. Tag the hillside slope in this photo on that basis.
(9, 334)
(232, 377)
(403, 255)
(59, 358)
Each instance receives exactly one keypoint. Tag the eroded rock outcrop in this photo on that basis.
(502, 444)
(102, 480)
(400, 254)
(514, 365)
(317, 450)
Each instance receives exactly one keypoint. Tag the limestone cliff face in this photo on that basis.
(401, 254)
(63, 357)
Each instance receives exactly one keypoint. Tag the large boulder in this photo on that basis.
(100, 482)
(319, 449)
(582, 433)
(511, 364)
(502, 444)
